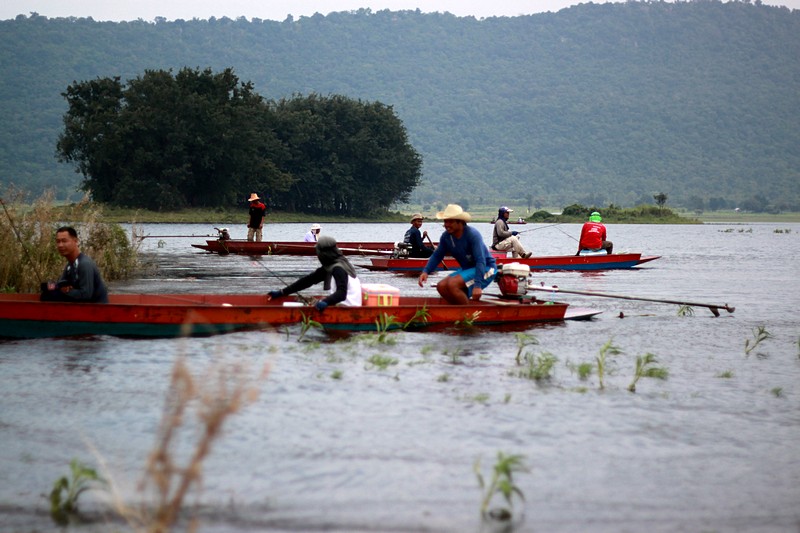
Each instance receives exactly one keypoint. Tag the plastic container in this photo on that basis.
(516, 269)
(379, 294)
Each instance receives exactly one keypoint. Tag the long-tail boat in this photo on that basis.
(553, 262)
(244, 247)
(172, 315)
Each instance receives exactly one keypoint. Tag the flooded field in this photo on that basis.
(353, 434)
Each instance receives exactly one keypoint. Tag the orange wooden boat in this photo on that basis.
(171, 315)
(555, 262)
(244, 247)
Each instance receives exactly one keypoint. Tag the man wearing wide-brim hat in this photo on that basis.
(258, 211)
(312, 234)
(413, 238)
(465, 244)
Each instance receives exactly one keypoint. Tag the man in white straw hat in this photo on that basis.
(311, 235)
(257, 212)
(413, 238)
(465, 244)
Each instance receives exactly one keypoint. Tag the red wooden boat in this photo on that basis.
(172, 315)
(554, 262)
(243, 247)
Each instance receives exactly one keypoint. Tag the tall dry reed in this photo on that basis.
(222, 390)
(27, 237)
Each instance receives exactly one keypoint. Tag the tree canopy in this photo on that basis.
(598, 103)
(204, 139)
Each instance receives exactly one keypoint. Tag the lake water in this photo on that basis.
(334, 443)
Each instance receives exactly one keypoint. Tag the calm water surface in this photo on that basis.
(393, 450)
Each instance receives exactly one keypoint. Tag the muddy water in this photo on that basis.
(336, 443)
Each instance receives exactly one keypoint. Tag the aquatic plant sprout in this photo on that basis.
(306, 324)
(760, 334)
(66, 491)
(607, 349)
(523, 340)
(501, 483)
(645, 369)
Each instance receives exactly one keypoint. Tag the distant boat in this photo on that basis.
(554, 262)
(244, 247)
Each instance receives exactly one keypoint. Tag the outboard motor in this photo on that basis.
(401, 250)
(513, 279)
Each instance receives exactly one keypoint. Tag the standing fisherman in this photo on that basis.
(257, 213)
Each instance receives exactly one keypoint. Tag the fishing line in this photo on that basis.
(541, 227)
(568, 235)
(305, 299)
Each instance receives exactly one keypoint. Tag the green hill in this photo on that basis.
(597, 104)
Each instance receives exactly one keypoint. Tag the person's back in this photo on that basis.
(593, 235)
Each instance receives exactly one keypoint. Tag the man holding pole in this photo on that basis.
(413, 238)
(504, 239)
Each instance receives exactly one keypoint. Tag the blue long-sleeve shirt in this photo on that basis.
(470, 251)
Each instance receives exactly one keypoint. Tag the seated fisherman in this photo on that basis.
(413, 238)
(336, 273)
(81, 280)
(593, 236)
(465, 244)
(504, 239)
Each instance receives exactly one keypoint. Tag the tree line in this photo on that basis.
(598, 103)
(198, 138)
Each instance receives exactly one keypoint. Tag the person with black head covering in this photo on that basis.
(336, 273)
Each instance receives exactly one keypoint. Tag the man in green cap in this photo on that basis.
(593, 236)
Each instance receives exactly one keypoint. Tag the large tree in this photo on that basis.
(348, 157)
(204, 139)
(167, 141)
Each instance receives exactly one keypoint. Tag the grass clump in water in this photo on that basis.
(382, 362)
(537, 367)
(645, 368)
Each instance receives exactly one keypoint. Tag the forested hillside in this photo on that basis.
(598, 104)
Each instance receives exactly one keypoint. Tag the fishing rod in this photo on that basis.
(305, 299)
(541, 227)
(24, 248)
(714, 308)
(143, 237)
(568, 235)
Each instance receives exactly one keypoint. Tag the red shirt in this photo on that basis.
(592, 236)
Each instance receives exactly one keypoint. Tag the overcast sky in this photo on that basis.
(148, 10)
